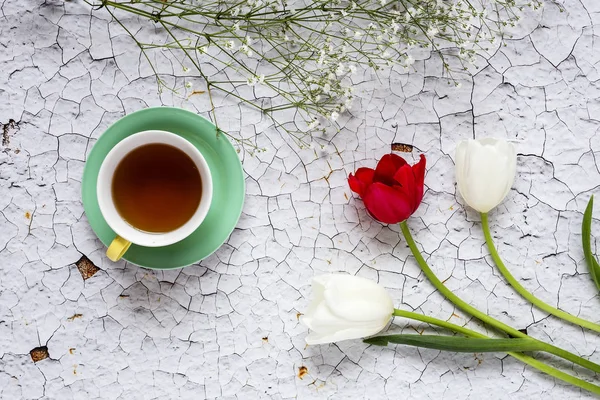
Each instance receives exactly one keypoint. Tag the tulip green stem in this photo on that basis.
(510, 331)
(540, 366)
(522, 291)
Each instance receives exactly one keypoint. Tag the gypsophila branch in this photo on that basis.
(277, 56)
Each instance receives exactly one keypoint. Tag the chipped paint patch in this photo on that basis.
(39, 354)
(86, 268)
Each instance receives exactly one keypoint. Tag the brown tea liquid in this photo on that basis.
(156, 188)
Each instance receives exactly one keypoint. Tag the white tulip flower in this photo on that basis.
(485, 171)
(346, 307)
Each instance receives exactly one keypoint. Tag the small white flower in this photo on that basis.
(432, 31)
(353, 6)
(236, 27)
(386, 54)
(230, 44)
(371, 26)
(358, 34)
(248, 40)
(203, 49)
(344, 13)
(394, 27)
(188, 85)
(313, 124)
(340, 69)
(326, 88)
(409, 60)
(236, 11)
(352, 68)
(186, 69)
(317, 98)
(254, 80)
(321, 60)
(246, 50)
(334, 116)
(382, 2)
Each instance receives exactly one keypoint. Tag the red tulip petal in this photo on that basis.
(387, 204)
(419, 171)
(412, 179)
(387, 167)
(406, 179)
(361, 180)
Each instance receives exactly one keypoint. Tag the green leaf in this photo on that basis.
(459, 344)
(586, 235)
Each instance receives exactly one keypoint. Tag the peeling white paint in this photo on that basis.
(228, 328)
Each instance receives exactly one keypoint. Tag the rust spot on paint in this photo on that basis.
(302, 372)
(74, 317)
(196, 92)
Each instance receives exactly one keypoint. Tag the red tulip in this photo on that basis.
(393, 191)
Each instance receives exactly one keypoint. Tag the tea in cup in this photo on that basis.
(154, 189)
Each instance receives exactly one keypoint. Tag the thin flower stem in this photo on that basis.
(480, 315)
(522, 291)
(540, 366)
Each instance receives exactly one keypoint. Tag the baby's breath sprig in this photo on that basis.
(294, 60)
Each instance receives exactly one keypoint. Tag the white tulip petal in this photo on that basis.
(346, 334)
(358, 299)
(485, 172)
(346, 307)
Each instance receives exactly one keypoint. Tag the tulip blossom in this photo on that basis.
(392, 191)
(485, 171)
(346, 307)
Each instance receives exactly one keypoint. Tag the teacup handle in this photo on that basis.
(117, 248)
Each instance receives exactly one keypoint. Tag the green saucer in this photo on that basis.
(227, 176)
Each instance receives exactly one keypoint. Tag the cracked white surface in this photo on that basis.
(227, 328)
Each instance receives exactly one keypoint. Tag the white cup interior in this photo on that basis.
(105, 198)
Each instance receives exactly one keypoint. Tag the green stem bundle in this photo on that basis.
(540, 366)
(510, 331)
(524, 292)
